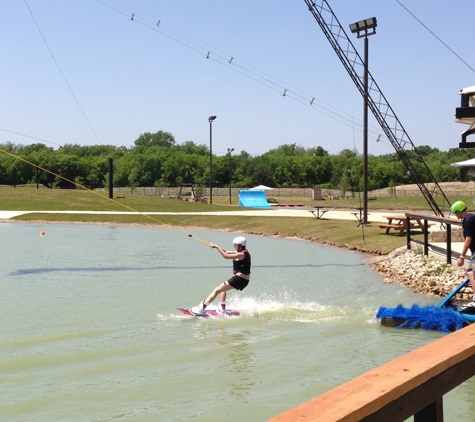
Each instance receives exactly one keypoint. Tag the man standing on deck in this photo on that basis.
(468, 224)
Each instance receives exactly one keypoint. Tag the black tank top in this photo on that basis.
(244, 265)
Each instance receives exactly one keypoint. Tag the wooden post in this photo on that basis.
(449, 243)
(432, 413)
(426, 237)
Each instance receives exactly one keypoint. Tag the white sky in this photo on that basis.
(130, 77)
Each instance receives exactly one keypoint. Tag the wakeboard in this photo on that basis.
(210, 312)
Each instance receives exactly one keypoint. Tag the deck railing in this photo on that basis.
(448, 222)
(411, 385)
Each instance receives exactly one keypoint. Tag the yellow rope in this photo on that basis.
(106, 197)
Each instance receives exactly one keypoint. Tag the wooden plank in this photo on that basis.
(392, 322)
(396, 217)
(401, 226)
(446, 220)
(425, 400)
(421, 375)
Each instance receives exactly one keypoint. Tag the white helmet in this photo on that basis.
(240, 240)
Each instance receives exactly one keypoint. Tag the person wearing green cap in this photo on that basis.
(468, 225)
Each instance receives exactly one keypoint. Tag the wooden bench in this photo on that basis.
(392, 226)
(401, 227)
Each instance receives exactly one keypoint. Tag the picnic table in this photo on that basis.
(317, 213)
(399, 223)
(359, 215)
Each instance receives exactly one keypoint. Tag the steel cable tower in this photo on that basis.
(377, 103)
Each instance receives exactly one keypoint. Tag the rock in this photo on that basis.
(420, 273)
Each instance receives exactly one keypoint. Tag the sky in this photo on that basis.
(84, 72)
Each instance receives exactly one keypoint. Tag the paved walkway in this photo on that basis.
(373, 216)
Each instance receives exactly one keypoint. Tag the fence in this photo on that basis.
(398, 191)
(446, 222)
(173, 191)
(401, 192)
(278, 192)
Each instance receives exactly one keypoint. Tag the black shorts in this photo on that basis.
(238, 283)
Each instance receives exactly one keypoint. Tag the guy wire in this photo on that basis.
(103, 196)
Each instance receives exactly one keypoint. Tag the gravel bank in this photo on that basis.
(420, 273)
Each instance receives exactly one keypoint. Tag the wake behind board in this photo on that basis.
(210, 312)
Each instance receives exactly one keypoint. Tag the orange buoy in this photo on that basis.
(42, 233)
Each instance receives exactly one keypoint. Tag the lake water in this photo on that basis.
(90, 331)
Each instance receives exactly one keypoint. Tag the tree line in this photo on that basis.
(157, 160)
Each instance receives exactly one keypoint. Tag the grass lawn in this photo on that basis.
(342, 233)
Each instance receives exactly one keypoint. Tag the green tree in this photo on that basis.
(160, 138)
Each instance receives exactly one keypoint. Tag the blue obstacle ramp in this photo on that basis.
(253, 199)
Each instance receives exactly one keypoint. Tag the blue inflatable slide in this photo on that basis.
(253, 199)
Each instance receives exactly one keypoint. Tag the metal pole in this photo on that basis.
(365, 136)
(230, 150)
(210, 120)
(210, 161)
(111, 178)
(230, 202)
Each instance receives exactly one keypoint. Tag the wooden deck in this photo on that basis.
(413, 384)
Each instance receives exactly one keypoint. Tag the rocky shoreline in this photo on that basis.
(421, 273)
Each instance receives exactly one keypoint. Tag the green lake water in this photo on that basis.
(90, 331)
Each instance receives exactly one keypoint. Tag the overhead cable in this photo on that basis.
(425, 26)
(240, 67)
(60, 71)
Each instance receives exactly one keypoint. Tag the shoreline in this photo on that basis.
(178, 228)
(422, 274)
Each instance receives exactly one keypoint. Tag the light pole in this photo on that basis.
(210, 120)
(365, 28)
(230, 150)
